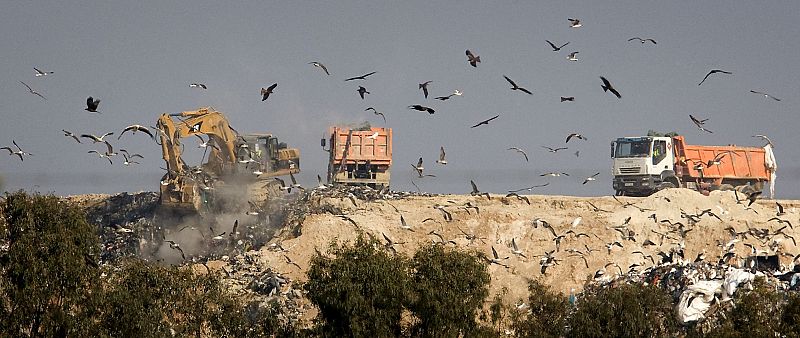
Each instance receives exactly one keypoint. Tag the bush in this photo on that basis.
(360, 292)
(547, 315)
(449, 288)
(624, 311)
(757, 313)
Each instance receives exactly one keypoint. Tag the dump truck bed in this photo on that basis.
(363, 147)
(739, 163)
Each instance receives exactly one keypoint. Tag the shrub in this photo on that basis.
(546, 315)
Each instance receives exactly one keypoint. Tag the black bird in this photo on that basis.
(321, 66)
(567, 98)
(473, 59)
(376, 113)
(515, 87)
(575, 135)
(713, 71)
(699, 123)
(362, 77)
(424, 87)
(642, 40)
(607, 87)
(361, 91)
(32, 91)
(556, 48)
(91, 105)
(485, 121)
(765, 95)
(266, 91)
(422, 108)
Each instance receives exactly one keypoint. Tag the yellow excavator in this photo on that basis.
(240, 167)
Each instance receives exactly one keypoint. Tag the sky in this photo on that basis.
(139, 57)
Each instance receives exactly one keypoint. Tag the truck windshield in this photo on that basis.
(632, 148)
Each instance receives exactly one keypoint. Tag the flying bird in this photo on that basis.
(554, 174)
(514, 86)
(553, 150)
(266, 91)
(128, 161)
(441, 159)
(445, 98)
(473, 59)
(765, 95)
(362, 77)
(40, 72)
(361, 91)
(485, 121)
(321, 66)
(19, 152)
(476, 192)
(590, 178)
(556, 48)
(95, 138)
(520, 151)
(567, 98)
(197, 85)
(134, 128)
(376, 113)
(419, 168)
(422, 108)
(32, 91)
(765, 138)
(91, 105)
(573, 56)
(607, 87)
(575, 23)
(575, 135)
(713, 71)
(700, 123)
(424, 87)
(102, 155)
(642, 40)
(70, 134)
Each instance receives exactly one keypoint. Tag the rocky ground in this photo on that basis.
(572, 237)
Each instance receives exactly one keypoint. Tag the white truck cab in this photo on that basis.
(642, 165)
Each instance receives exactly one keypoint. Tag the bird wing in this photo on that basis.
(441, 153)
(635, 38)
(89, 102)
(109, 147)
(272, 87)
(552, 45)
(92, 137)
(570, 136)
(514, 85)
(26, 85)
(469, 54)
(704, 78)
(474, 187)
(525, 90)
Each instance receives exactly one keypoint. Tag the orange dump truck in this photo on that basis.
(360, 156)
(643, 165)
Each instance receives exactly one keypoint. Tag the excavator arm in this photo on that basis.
(206, 121)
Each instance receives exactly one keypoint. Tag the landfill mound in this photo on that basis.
(566, 242)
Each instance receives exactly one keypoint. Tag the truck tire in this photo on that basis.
(665, 185)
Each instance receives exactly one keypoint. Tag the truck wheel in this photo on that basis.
(665, 185)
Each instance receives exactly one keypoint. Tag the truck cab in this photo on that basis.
(642, 165)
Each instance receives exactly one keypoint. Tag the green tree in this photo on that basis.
(547, 313)
(757, 313)
(49, 270)
(449, 290)
(790, 319)
(360, 292)
(629, 310)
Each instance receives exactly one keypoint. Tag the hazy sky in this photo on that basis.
(139, 57)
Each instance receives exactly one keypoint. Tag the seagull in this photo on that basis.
(376, 113)
(520, 151)
(554, 150)
(91, 105)
(575, 23)
(485, 121)
(530, 188)
(568, 98)
(41, 73)
(515, 250)
(556, 48)
(607, 87)
(554, 174)
(765, 138)
(422, 108)
(521, 198)
(424, 87)
(362, 77)
(441, 159)
(476, 192)
(266, 91)
(765, 95)
(515, 87)
(361, 91)
(642, 40)
(445, 98)
(70, 134)
(97, 139)
(125, 152)
(712, 72)
(700, 123)
(575, 135)
(496, 258)
(175, 246)
(590, 178)
(19, 152)
(473, 59)
(127, 160)
(419, 168)
(134, 128)
(32, 91)
(102, 155)
(197, 85)
(405, 225)
(573, 56)
(321, 66)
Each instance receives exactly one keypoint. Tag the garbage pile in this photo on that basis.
(124, 223)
